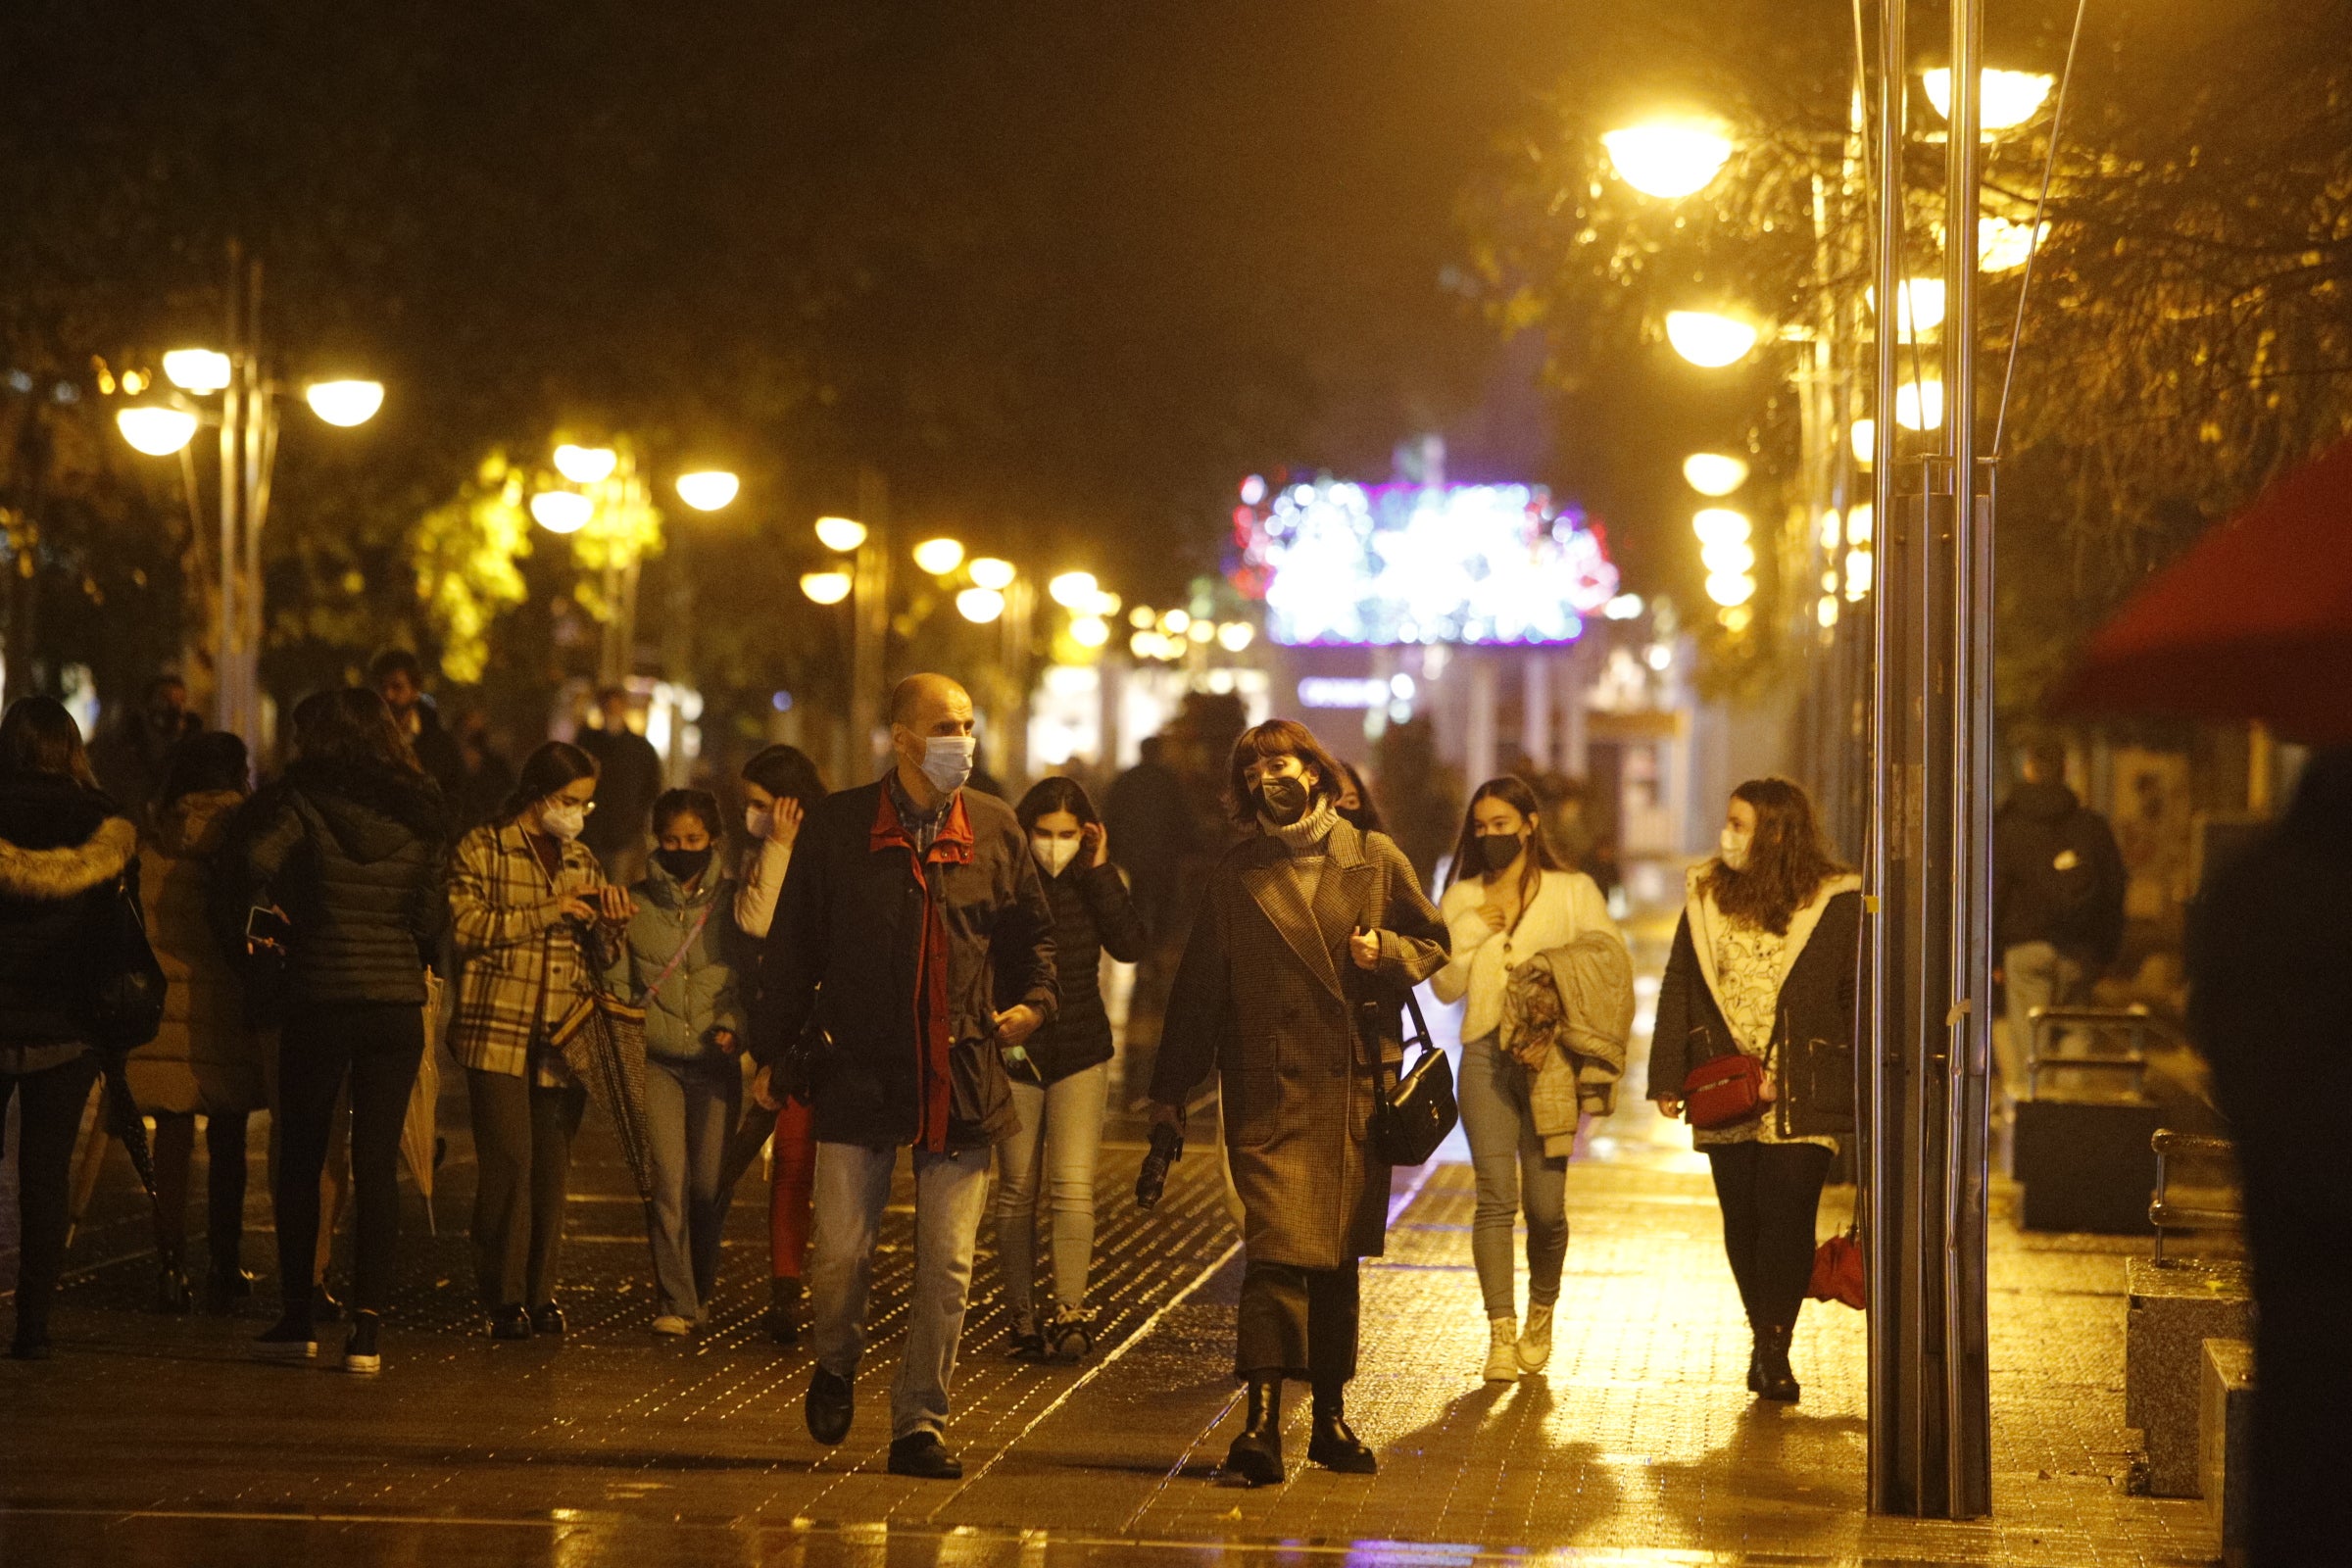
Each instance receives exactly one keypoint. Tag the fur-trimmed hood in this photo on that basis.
(53, 875)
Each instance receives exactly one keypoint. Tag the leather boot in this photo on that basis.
(1755, 1358)
(1255, 1457)
(1775, 1379)
(173, 1296)
(1335, 1445)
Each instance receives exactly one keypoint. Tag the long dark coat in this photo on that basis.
(1267, 995)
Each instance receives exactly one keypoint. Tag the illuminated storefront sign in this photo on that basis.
(1377, 566)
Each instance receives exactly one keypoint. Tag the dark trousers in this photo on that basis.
(1297, 1323)
(49, 1107)
(522, 1144)
(223, 1185)
(378, 1047)
(1770, 1194)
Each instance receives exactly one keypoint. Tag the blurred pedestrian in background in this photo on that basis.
(487, 778)
(131, 753)
(399, 679)
(1301, 923)
(531, 910)
(207, 1060)
(65, 853)
(348, 854)
(1149, 817)
(1062, 1078)
(913, 906)
(679, 962)
(1508, 902)
(628, 777)
(1763, 966)
(781, 788)
(1355, 804)
(2057, 897)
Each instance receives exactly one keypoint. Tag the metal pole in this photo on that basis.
(871, 621)
(226, 712)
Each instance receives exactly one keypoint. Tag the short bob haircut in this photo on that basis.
(552, 767)
(1277, 737)
(701, 804)
(1057, 793)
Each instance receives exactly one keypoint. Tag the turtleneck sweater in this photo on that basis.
(1308, 841)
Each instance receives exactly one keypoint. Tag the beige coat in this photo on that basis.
(204, 1058)
(1267, 996)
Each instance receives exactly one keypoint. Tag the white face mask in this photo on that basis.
(1734, 848)
(948, 761)
(563, 818)
(757, 822)
(1055, 855)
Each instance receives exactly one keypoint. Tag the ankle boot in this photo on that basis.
(1775, 1379)
(1502, 1349)
(1255, 1457)
(1335, 1445)
(172, 1294)
(784, 1309)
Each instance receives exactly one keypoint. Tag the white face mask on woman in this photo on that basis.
(563, 818)
(759, 822)
(1734, 848)
(1054, 855)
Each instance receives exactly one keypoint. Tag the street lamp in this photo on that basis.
(156, 429)
(826, 587)
(707, 490)
(1667, 158)
(1074, 591)
(561, 510)
(586, 465)
(980, 605)
(841, 534)
(992, 573)
(203, 371)
(344, 403)
(1089, 631)
(938, 557)
(1709, 339)
(1720, 525)
(1919, 405)
(1918, 306)
(1714, 473)
(2005, 99)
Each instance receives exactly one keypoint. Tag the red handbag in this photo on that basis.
(1724, 1089)
(1838, 1271)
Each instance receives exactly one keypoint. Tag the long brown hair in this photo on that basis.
(1514, 793)
(1787, 861)
(352, 727)
(39, 736)
(1277, 737)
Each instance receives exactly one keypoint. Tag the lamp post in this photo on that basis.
(248, 421)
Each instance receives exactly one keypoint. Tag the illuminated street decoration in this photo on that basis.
(1377, 566)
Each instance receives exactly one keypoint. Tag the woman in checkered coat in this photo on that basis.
(1303, 923)
(530, 907)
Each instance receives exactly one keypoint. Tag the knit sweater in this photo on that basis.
(1566, 905)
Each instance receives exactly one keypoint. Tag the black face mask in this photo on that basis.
(1499, 849)
(684, 864)
(1282, 801)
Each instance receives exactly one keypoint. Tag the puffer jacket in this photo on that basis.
(353, 856)
(61, 851)
(1093, 914)
(204, 1058)
(701, 993)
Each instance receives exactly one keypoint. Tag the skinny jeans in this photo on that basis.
(378, 1047)
(1059, 1135)
(49, 1119)
(1771, 1195)
(1514, 1177)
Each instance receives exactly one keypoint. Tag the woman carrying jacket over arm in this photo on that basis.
(1509, 899)
(350, 849)
(1062, 1078)
(1763, 965)
(781, 786)
(1301, 923)
(531, 909)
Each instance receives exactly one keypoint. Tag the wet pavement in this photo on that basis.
(157, 1441)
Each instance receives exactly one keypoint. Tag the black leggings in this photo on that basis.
(50, 1102)
(1770, 1194)
(379, 1047)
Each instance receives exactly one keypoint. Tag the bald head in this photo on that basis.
(921, 700)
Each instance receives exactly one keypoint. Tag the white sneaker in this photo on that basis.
(1502, 1353)
(1535, 1340)
(672, 1326)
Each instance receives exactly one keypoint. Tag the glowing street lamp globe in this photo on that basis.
(1236, 636)
(1919, 405)
(1866, 441)
(844, 534)
(1089, 631)
(709, 490)
(202, 372)
(1074, 590)
(1727, 560)
(2005, 246)
(825, 587)
(1668, 160)
(586, 465)
(1721, 525)
(1708, 339)
(992, 573)
(156, 429)
(561, 510)
(980, 605)
(938, 557)
(345, 402)
(1730, 589)
(2005, 99)
(1714, 473)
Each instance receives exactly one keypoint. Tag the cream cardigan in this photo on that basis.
(1566, 905)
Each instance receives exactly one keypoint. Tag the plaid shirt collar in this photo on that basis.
(920, 826)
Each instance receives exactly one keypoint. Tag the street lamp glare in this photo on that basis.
(1714, 473)
(1708, 339)
(1236, 636)
(1089, 631)
(825, 587)
(1074, 590)
(561, 510)
(980, 605)
(1918, 306)
(1866, 441)
(843, 534)
(1729, 560)
(202, 372)
(2004, 245)
(992, 573)
(155, 429)
(2005, 99)
(586, 465)
(345, 402)
(1667, 160)
(938, 557)
(707, 490)
(1721, 525)
(1730, 589)
(1919, 405)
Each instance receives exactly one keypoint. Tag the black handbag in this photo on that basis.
(127, 984)
(1410, 1120)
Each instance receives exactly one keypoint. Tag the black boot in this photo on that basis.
(784, 1310)
(1335, 1445)
(1775, 1379)
(172, 1297)
(1255, 1457)
(1755, 1360)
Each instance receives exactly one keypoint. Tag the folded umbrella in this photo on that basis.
(2253, 622)
(125, 1121)
(603, 1042)
(417, 1130)
(751, 1135)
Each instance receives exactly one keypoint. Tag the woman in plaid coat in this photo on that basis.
(1303, 924)
(530, 909)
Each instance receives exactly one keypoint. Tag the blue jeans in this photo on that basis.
(1061, 1129)
(690, 1109)
(853, 1187)
(1513, 1172)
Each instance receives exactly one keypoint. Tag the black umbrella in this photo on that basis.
(125, 1122)
(751, 1136)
